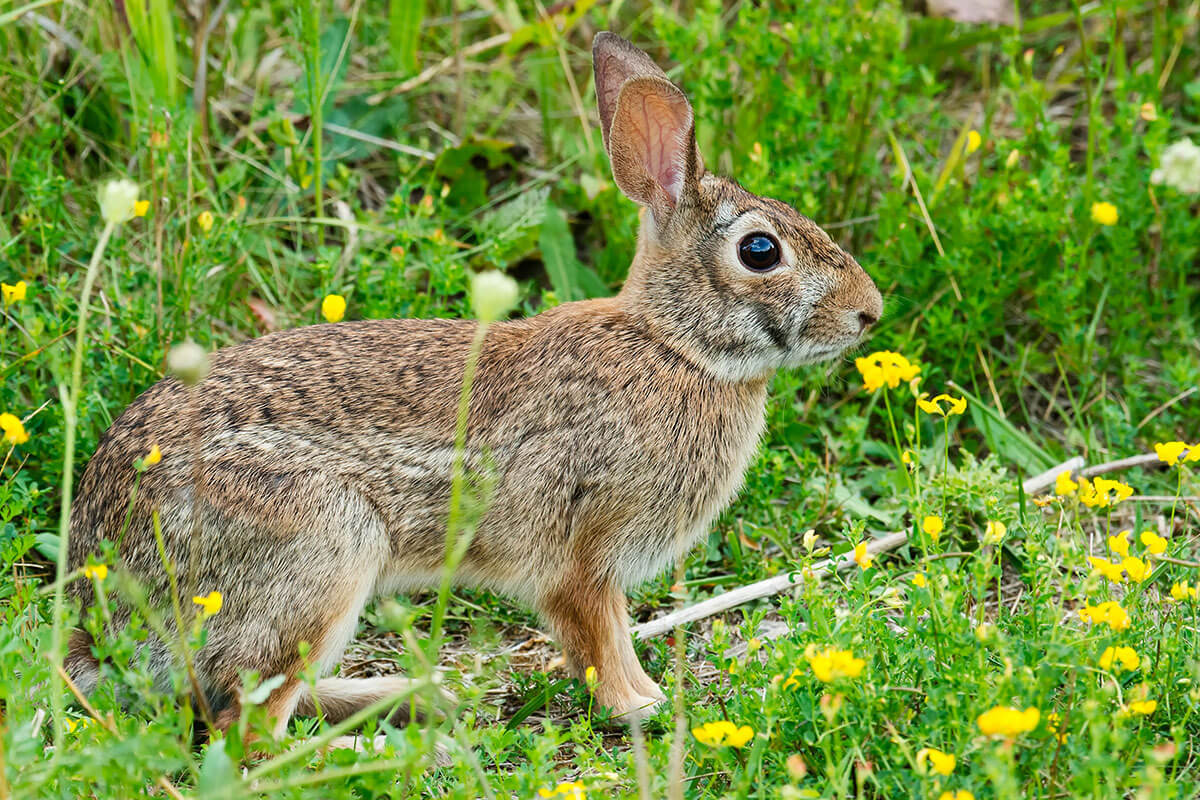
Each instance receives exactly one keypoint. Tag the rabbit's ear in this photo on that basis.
(648, 127)
(614, 61)
(652, 145)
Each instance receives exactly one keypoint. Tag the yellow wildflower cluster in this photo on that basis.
(210, 603)
(1181, 591)
(887, 367)
(1104, 213)
(831, 664)
(96, 572)
(1127, 657)
(1054, 724)
(934, 406)
(1143, 707)
(1137, 569)
(572, 790)
(1170, 452)
(723, 733)
(1103, 493)
(14, 431)
(939, 762)
(960, 794)
(13, 292)
(1007, 721)
(333, 307)
(933, 526)
(1108, 613)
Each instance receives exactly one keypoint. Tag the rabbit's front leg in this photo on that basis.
(588, 616)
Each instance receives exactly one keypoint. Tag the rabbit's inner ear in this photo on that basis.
(614, 61)
(653, 145)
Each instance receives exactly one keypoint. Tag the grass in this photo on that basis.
(384, 153)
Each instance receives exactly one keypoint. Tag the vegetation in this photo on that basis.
(1007, 188)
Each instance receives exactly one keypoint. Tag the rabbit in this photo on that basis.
(615, 430)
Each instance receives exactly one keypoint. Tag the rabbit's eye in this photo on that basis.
(759, 252)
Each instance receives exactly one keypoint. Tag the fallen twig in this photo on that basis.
(792, 580)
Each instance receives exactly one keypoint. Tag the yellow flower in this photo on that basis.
(1137, 569)
(958, 794)
(98, 571)
(210, 604)
(885, 367)
(933, 526)
(1109, 613)
(590, 678)
(1155, 545)
(934, 406)
(1104, 213)
(793, 680)
(1148, 112)
(907, 458)
(985, 631)
(13, 292)
(205, 220)
(1127, 657)
(1007, 721)
(333, 307)
(117, 200)
(862, 557)
(1111, 571)
(14, 431)
(939, 762)
(1169, 452)
(153, 457)
(994, 532)
(974, 140)
(493, 295)
(73, 726)
(1063, 485)
(573, 790)
(1097, 494)
(1193, 452)
(1119, 544)
(723, 733)
(1181, 591)
(1143, 707)
(141, 207)
(1054, 724)
(831, 664)
(919, 580)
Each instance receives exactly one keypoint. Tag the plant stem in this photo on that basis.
(455, 549)
(70, 403)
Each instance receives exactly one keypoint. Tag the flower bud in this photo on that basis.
(118, 201)
(493, 294)
(188, 362)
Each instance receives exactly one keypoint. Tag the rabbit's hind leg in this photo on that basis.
(339, 699)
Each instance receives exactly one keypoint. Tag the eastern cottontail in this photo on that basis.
(617, 429)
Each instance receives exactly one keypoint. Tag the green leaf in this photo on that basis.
(571, 280)
(404, 29)
(537, 699)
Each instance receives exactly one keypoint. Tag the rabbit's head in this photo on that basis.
(741, 284)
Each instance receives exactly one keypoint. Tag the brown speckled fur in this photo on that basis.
(615, 430)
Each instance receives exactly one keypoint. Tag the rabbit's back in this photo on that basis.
(580, 420)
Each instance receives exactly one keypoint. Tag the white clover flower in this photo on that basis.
(1179, 167)
(118, 201)
(493, 294)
